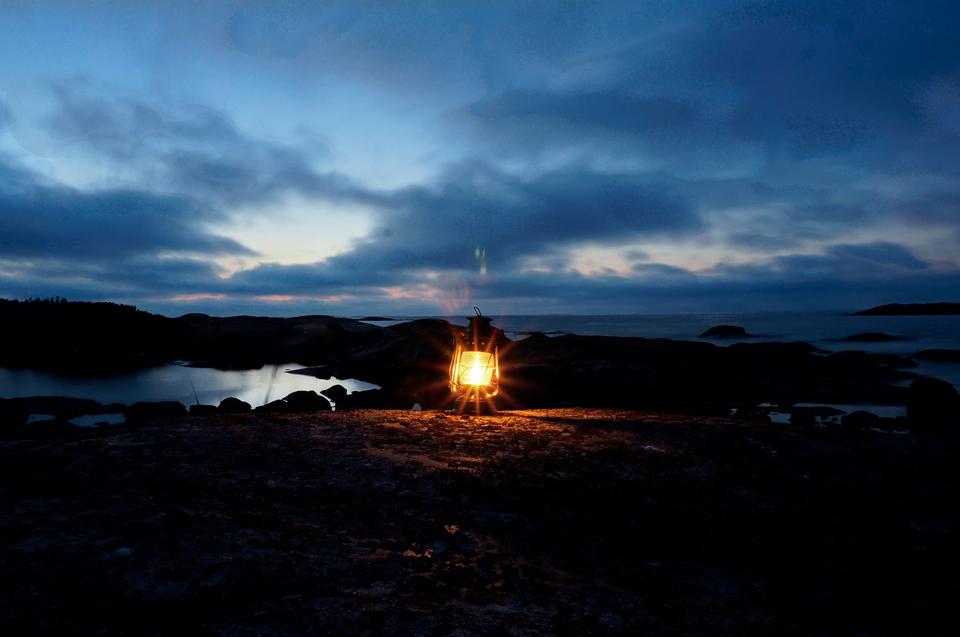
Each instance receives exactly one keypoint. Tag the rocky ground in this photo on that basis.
(571, 522)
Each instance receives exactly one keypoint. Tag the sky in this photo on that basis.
(419, 158)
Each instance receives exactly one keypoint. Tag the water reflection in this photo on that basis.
(187, 385)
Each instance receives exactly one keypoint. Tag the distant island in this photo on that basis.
(911, 309)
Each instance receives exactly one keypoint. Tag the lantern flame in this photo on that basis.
(476, 368)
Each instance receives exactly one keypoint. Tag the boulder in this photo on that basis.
(274, 407)
(336, 393)
(150, 410)
(932, 404)
(306, 400)
(860, 419)
(202, 410)
(725, 331)
(233, 405)
(368, 399)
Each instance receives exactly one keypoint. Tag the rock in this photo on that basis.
(932, 404)
(940, 355)
(233, 405)
(810, 415)
(150, 410)
(202, 410)
(871, 337)
(725, 331)
(336, 393)
(12, 414)
(49, 428)
(860, 418)
(60, 407)
(274, 407)
(368, 399)
(912, 309)
(306, 400)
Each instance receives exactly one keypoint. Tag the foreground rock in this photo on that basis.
(571, 522)
(933, 404)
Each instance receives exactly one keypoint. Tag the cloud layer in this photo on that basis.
(591, 157)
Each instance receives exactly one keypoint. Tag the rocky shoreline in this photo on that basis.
(542, 522)
(410, 360)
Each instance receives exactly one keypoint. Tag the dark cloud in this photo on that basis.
(41, 220)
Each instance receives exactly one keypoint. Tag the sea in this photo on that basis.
(825, 331)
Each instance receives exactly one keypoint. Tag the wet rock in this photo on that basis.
(202, 410)
(725, 331)
(233, 405)
(932, 404)
(151, 410)
(336, 393)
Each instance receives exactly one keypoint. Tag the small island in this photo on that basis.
(912, 309)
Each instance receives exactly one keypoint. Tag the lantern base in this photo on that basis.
(475, 404)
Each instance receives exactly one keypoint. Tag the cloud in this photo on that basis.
(42, 220)
(193, 150)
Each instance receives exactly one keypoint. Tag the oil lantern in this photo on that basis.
(475, 366)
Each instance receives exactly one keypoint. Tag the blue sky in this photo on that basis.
(529, 157)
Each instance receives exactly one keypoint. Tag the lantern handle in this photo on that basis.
(477, 310)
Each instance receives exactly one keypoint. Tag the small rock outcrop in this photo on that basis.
(932, 404)
(298, 401)
(725, 331)
(939, 355)
(307, 400)
(233, 405)
(860, 419)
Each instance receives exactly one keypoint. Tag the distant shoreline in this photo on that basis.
(912, 309)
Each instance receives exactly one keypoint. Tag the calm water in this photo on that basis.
(171, 382)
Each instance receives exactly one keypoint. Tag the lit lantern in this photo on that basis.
(475, 366)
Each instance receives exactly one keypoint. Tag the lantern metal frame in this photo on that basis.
(475, 365)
